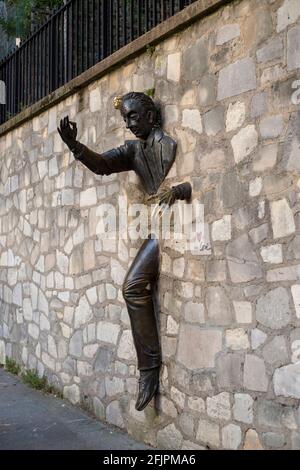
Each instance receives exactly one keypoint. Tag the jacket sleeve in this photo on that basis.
(113, 161)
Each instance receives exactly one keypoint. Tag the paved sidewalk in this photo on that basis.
(30, 420)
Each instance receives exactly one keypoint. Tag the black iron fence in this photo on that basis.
(76, 37)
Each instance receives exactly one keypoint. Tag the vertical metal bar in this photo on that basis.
(124, 15)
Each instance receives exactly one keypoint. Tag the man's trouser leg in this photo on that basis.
(138, 292)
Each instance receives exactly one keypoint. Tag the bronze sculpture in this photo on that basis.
(151, 157)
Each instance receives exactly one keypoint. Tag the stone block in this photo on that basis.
(282, 219)
(271, 127)
(243, 312)
(214, 121)
(273, 440)
(242, 261)
(108, 332)
(271, 51)
(221, 229)
(72, 393)
(195, 60)
(296, 298)
(169, 438)
(208, 433)
(204, 343)
(237, 339)
(287, 14)
(287, 381)
(206, 91)
(218, 407)
(218, 306)
(126, 348)
(114, 415)
(216, 271)
(191, 118)
(259, 104)
(244, 143)
(174, 67)
(272, 309)
(269, 414)
(231, 437)
(252, 441)
(255, 377)
(272, 254)
(237, 78)
(293, 48)
(275, 352)
(227, 32)
(229, 371)
(243, 408)
(194, 312)
(236, 115)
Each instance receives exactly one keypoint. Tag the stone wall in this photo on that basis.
(230, 321)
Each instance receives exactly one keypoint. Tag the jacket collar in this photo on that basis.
(156, 134)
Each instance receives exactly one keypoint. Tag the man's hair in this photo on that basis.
(147, 103)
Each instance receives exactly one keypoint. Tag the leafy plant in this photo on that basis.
(150, 92)
(25, 15)
(31, 378)
(12, 366)
(150, 49)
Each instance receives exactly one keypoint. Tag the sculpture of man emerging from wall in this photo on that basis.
(151, 157)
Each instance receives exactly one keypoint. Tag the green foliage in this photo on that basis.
(31, 378)
(150, 92)
(150, 49)
(12, 367)
(27, 14)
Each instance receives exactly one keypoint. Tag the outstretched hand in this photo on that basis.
(68, 131)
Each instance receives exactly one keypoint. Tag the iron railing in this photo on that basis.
(77, 36)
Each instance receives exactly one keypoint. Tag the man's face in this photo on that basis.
(137, 119)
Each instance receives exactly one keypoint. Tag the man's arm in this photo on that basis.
(113, 161)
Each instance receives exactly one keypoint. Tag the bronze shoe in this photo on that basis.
(148, 385)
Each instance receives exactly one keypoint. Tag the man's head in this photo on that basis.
(139, 113)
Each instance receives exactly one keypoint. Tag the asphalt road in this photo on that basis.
(30, 420)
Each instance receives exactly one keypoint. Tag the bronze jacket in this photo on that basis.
(151, 160)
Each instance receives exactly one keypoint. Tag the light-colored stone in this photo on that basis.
(169, 438)
(108, 332)
(296, 297)
(252, 441)
(271, 127)
(218, 306)
(244, 143)
(287, 381)
(243, 312)
(174, 67)
(255, 187)
(191, 118)
(208, 433)
(88, 197)
(95, 100)
(2, 352)
(204, 343)
(237, 78)
(236, 115)
(194, 312)
(255, 377)
(114, 415)
(272, 309)
(258, 338)
(219, 407)
(287, 14)
(227, 32)
(243, 408)
(231, 437)
(83, 313)
(72, 393)
(126, 348)
(293, 48)
(242, 260)
(237, 339)
(221, 229)
(76, 344)
(272, 254)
